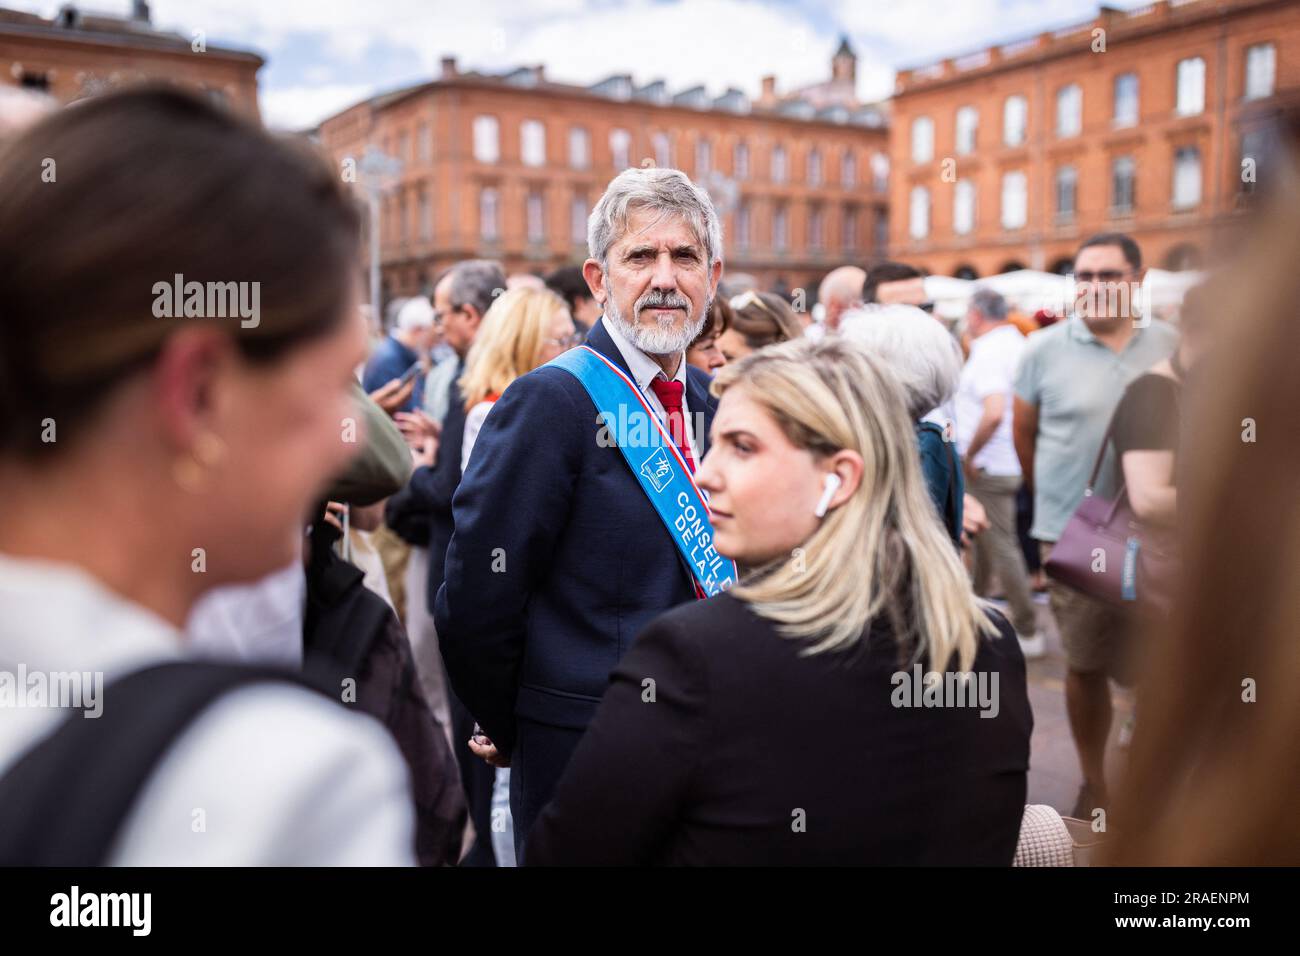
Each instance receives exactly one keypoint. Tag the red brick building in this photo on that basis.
(78, 54)
(509, 167)
(1138, 121)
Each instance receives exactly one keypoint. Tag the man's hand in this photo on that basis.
(424, 455)
(481, 746)
(334, 512)
(416, 427)
(394, 394)
(1024, 433)
(973, 519)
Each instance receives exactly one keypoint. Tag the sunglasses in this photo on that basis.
(1106, 275)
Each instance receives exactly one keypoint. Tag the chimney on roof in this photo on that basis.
(140, 11)
(768, 96)
(448, 67)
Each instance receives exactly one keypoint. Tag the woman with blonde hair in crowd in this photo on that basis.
(524, 328)
(783, 721)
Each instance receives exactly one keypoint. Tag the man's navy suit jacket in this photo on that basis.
(558, 558)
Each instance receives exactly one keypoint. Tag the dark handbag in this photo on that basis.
(1106, 553)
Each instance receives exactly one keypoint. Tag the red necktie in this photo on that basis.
(669, 394)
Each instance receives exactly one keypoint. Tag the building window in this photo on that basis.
(1015, 118)
(488, 227)
(487, 147)
(963, 207)
(403, 144)
(1260, 64)
(1123, 191)
(1126, 100)
(918, 225)
(1187, 177)
(579, 147)
(849, 228)
(780, 228)
(743, 217)
(815, 224)
(968, 121)
(535, 217)
(879, 172)
(663, 150)
(1069, 111)
(1067, 193)
(922, 139)
(703, 158)
(814, 167)
(620, 148)
(532, 143)
(1254, 144)
(1015, 200)
(740, 161)
(578, 219)
(778, 164)
(1191, 86)
(424, 140)
(848, 169)
(426, 217)
(403, 235)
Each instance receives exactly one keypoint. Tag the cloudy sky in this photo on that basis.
(323, 55)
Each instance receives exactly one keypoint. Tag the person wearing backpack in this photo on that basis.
(176, 368)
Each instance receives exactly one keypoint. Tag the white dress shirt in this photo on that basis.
(281, 775)
(644, 371)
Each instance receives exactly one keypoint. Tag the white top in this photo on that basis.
(259, 623)
(645, 370)
(990, 370)
(473, 424)
(281, 775)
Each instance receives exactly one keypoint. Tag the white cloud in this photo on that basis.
(719, 43)
(301, 107)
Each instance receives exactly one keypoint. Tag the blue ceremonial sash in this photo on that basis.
(655, 461)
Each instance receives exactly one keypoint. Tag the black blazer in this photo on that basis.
(558, 558)
(432, 488)
(742, 751)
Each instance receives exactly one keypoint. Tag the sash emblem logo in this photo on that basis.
(657, 469)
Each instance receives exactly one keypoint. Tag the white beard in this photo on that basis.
(661, 338)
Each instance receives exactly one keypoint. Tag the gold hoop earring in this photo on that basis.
(209, 449)
(188, 474)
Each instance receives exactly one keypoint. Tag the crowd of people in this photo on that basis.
(631, 563)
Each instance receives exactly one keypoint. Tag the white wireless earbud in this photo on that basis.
(832, 485)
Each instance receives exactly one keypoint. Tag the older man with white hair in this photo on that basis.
(407, 345)
(926, 360)
(577, 520)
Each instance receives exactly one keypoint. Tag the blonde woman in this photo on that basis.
(524, 328)
(791, 720)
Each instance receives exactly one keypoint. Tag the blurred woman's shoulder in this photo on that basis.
(273, 774)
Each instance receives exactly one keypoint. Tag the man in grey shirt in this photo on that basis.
(1067, 386)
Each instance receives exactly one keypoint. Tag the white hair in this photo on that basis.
(923, 355)
(416, 313)
(669, 191)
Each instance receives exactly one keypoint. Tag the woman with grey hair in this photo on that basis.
(926, 360)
